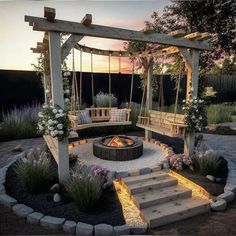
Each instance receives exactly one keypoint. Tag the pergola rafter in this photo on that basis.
(188, 45)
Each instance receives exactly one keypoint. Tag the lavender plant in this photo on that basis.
(103, 100)
(20, 122)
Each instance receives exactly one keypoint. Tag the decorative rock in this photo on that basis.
(55, 188)
(219, 205)
(122, 174)
(56, 197)
(52, 222)
(17, 148)
(2, 189)
(7, 200)
(84, 229)
(69, 226)
(122, 230)
(142, 229)
(110, 178)
(133, 172)
(165, 165)
(211, 178)
(228, 196)
(34, 217)
(144, 171)
(22, 210)
(103, 229)
(230, 188)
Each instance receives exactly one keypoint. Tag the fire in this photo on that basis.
(117, 141)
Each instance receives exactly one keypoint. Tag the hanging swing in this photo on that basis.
(165, 123)
(96, 116)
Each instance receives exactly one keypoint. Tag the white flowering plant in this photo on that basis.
(53, 121)
(66, 88)
(195, 114)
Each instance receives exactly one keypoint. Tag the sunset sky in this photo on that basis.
(17, 37)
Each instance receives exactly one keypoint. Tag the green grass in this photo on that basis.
(219, 113)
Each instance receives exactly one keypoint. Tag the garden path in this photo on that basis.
(225, 145)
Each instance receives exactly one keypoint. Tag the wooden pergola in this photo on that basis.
(188, 45)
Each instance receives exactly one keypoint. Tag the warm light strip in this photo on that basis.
(197, 190)
(130, 211)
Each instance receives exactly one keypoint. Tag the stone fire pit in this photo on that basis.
(117, 148)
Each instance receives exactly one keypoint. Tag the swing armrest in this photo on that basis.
(73, 117)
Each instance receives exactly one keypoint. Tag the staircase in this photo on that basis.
(161, 200)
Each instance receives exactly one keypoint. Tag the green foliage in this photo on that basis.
(34, 171)
(85, 187)
(206, 164)
(19, 123)
(103, 100)
(219, 113)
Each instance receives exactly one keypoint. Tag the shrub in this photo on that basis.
(19, 123)
(206, 163)
(54, 121)
(179, 161)
(219, 113)
(103, 100)
(34, 171)
(85, 187)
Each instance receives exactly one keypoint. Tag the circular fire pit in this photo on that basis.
(117, 148)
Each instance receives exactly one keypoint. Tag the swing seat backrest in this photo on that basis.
(100, 116)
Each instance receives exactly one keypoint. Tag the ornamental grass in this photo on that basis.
(34, 171)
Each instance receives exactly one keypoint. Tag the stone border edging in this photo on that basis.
(57, 223)
(229, 194)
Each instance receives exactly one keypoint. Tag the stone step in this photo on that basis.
(151, 184)
(173, 211)
(159, 196)
(142, 178)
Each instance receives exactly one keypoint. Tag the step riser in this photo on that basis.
(153, 186)
(158, 177)
(160, 221)
(164, 199)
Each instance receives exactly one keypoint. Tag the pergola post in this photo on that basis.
(58, 99)
(191, 89)
(148, 134)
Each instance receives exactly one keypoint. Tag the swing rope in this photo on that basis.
(80, 79)
(177, 90)
(131, 85)
(109, 62)
(74, 95)
(92, 79)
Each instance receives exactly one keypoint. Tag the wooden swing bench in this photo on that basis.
(164, 123)
(100, 117)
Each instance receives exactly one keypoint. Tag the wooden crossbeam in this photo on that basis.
(177, 33)
(40, 24)
(193, 36)
(49, 13)
(87, 20)
(204, 36)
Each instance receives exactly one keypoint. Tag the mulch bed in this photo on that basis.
(213, 188)
(108, 210)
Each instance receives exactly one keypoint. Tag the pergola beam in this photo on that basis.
(41, 24)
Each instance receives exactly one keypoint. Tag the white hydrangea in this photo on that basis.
(67, 91)
(67, 99)
(50, 122)
(51, 128)
(40, 114)
(54, 110)
(60, 126)
(58, 115)
(61, 132)
(60, 111)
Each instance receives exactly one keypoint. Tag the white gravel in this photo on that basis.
(152, 154)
